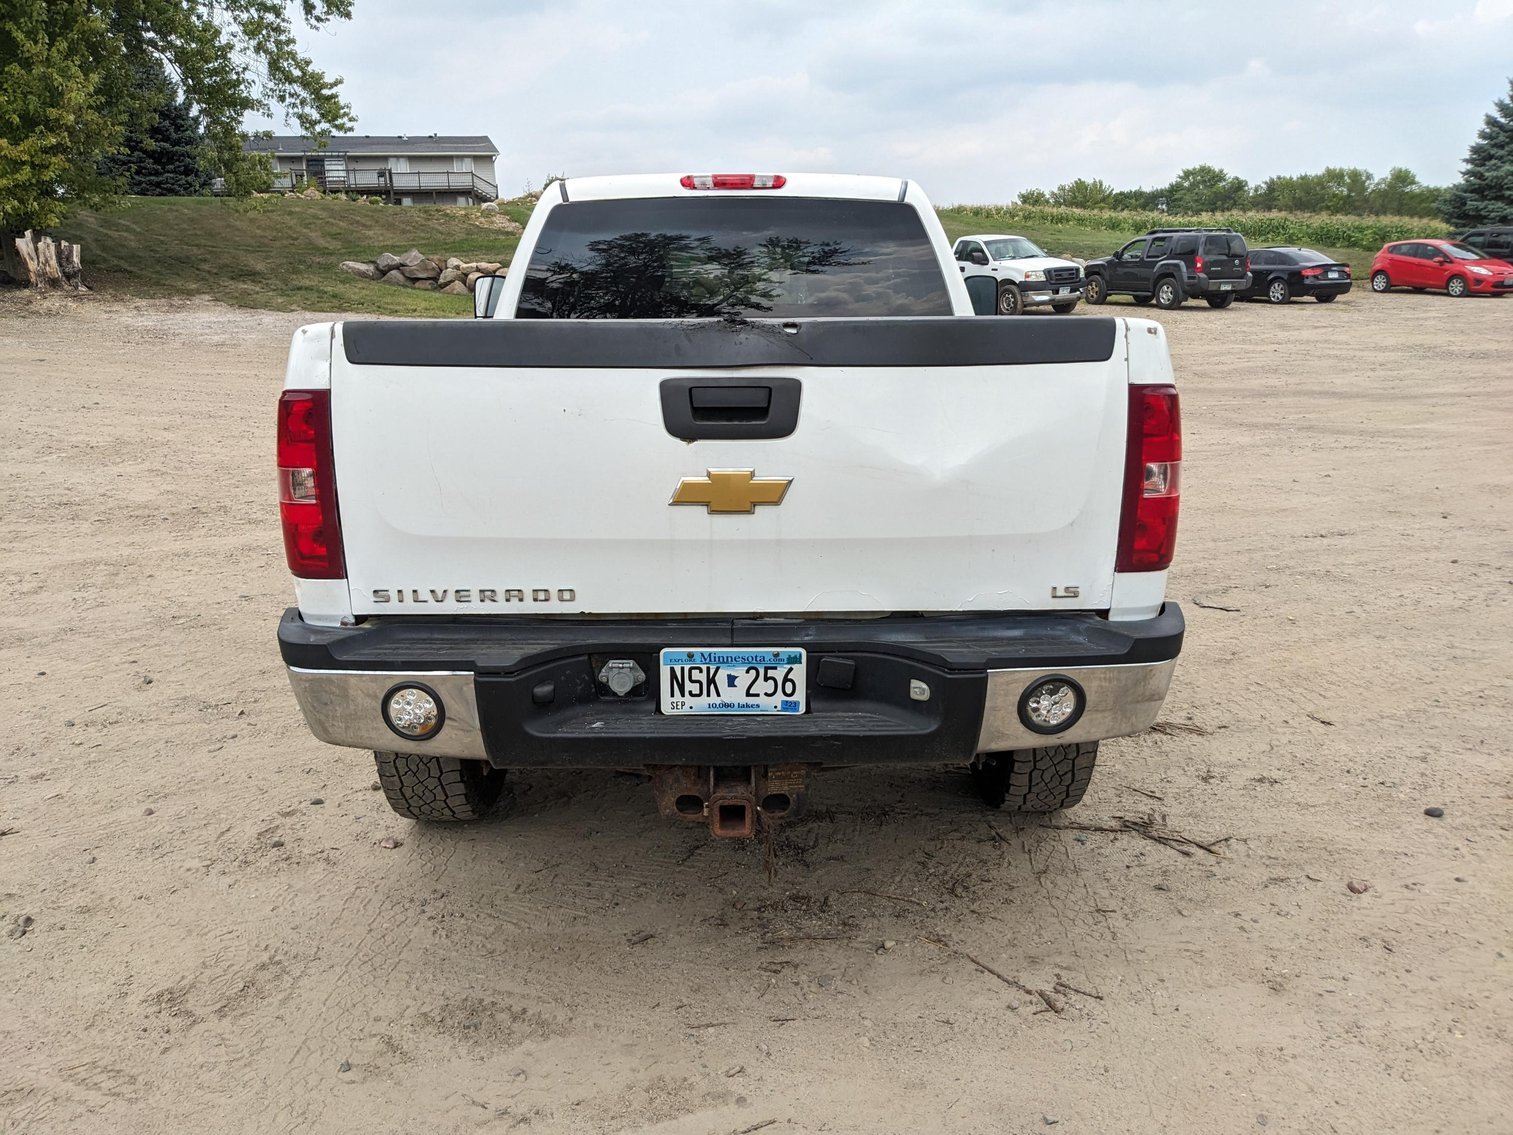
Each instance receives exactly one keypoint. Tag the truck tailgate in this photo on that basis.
(527, 467)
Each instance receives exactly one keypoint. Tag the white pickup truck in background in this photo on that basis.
(729, 485)
(1015, 273)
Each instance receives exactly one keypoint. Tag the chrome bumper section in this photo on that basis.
(1120, 700)
(344, 707)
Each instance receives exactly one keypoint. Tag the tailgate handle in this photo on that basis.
(730, 408)
(730, 403)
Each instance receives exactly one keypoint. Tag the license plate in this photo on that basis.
(1062, 291)
(1226, 287)
(704, 680)
(1334, 275)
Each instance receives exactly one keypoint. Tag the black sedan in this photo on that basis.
(1279, 274)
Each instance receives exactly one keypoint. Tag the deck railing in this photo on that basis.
(392, 184)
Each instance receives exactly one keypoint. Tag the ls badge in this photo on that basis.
(731, 490)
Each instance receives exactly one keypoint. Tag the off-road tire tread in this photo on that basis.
(439, 789)
(1038, 780)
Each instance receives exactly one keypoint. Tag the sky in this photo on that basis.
(975, 99)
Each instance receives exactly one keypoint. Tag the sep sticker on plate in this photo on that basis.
(704, 680)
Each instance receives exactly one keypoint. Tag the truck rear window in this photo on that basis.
(688, 258)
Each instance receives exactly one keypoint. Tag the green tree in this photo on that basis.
(1401, 194)
(1484, 195)
(68, 94)
(1206, 189)
(1135, 200)
(164, 157)
(1082, 194)
(1034, 197)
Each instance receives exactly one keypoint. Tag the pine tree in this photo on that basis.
(162, 154)
(1484, 195)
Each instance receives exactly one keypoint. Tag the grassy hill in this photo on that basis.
(282, 253)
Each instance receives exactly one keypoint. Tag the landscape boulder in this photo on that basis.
(414, 269)
(490, 207)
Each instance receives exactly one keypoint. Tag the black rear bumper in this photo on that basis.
(526, 691)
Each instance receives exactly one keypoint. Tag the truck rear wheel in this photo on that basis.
(440, 789)
(1168, 294)
(1036, 780)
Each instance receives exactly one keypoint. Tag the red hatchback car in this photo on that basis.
(1445, 265)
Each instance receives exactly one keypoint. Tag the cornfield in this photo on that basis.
(1257, 228)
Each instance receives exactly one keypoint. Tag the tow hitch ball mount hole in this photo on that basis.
(729, 799)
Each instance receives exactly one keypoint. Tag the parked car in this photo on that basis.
(1279, 274)
(1169, 265)
(1444, 265)
(1016, 274)
(1496, 242)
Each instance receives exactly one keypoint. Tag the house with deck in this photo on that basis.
(404, 169)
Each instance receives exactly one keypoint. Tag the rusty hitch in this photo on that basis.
(735, 801)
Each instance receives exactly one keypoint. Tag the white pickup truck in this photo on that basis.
(1010, 273)
(728, 484)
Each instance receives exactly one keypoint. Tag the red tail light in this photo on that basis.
(1198, 263)
(307, 486)
(1313, 271)
(1152, 480)
(732, 181)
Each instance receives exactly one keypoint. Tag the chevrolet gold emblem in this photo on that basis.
(731, 490)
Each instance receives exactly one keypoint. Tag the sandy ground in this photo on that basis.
(214, 939)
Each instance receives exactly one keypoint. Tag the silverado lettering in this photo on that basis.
(909, 603)
(466, 595)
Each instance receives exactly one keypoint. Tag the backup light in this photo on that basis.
(413, 712)
(1051, 705)
(732, 181)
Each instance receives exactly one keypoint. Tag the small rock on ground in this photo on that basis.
(1434, 813)
(1357, 887)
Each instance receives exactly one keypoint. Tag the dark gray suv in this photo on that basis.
(1171, 265)
(1495, 242)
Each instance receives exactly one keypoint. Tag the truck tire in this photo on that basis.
(1221, 302)
(1010, 302)
(440, 789)
(1036, 780)
(1168, 293)
(1063, 308)
(1143, 298)
(1094, 292)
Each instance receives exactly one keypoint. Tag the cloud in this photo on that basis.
(976, 99)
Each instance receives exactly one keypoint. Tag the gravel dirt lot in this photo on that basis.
(199, 929)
